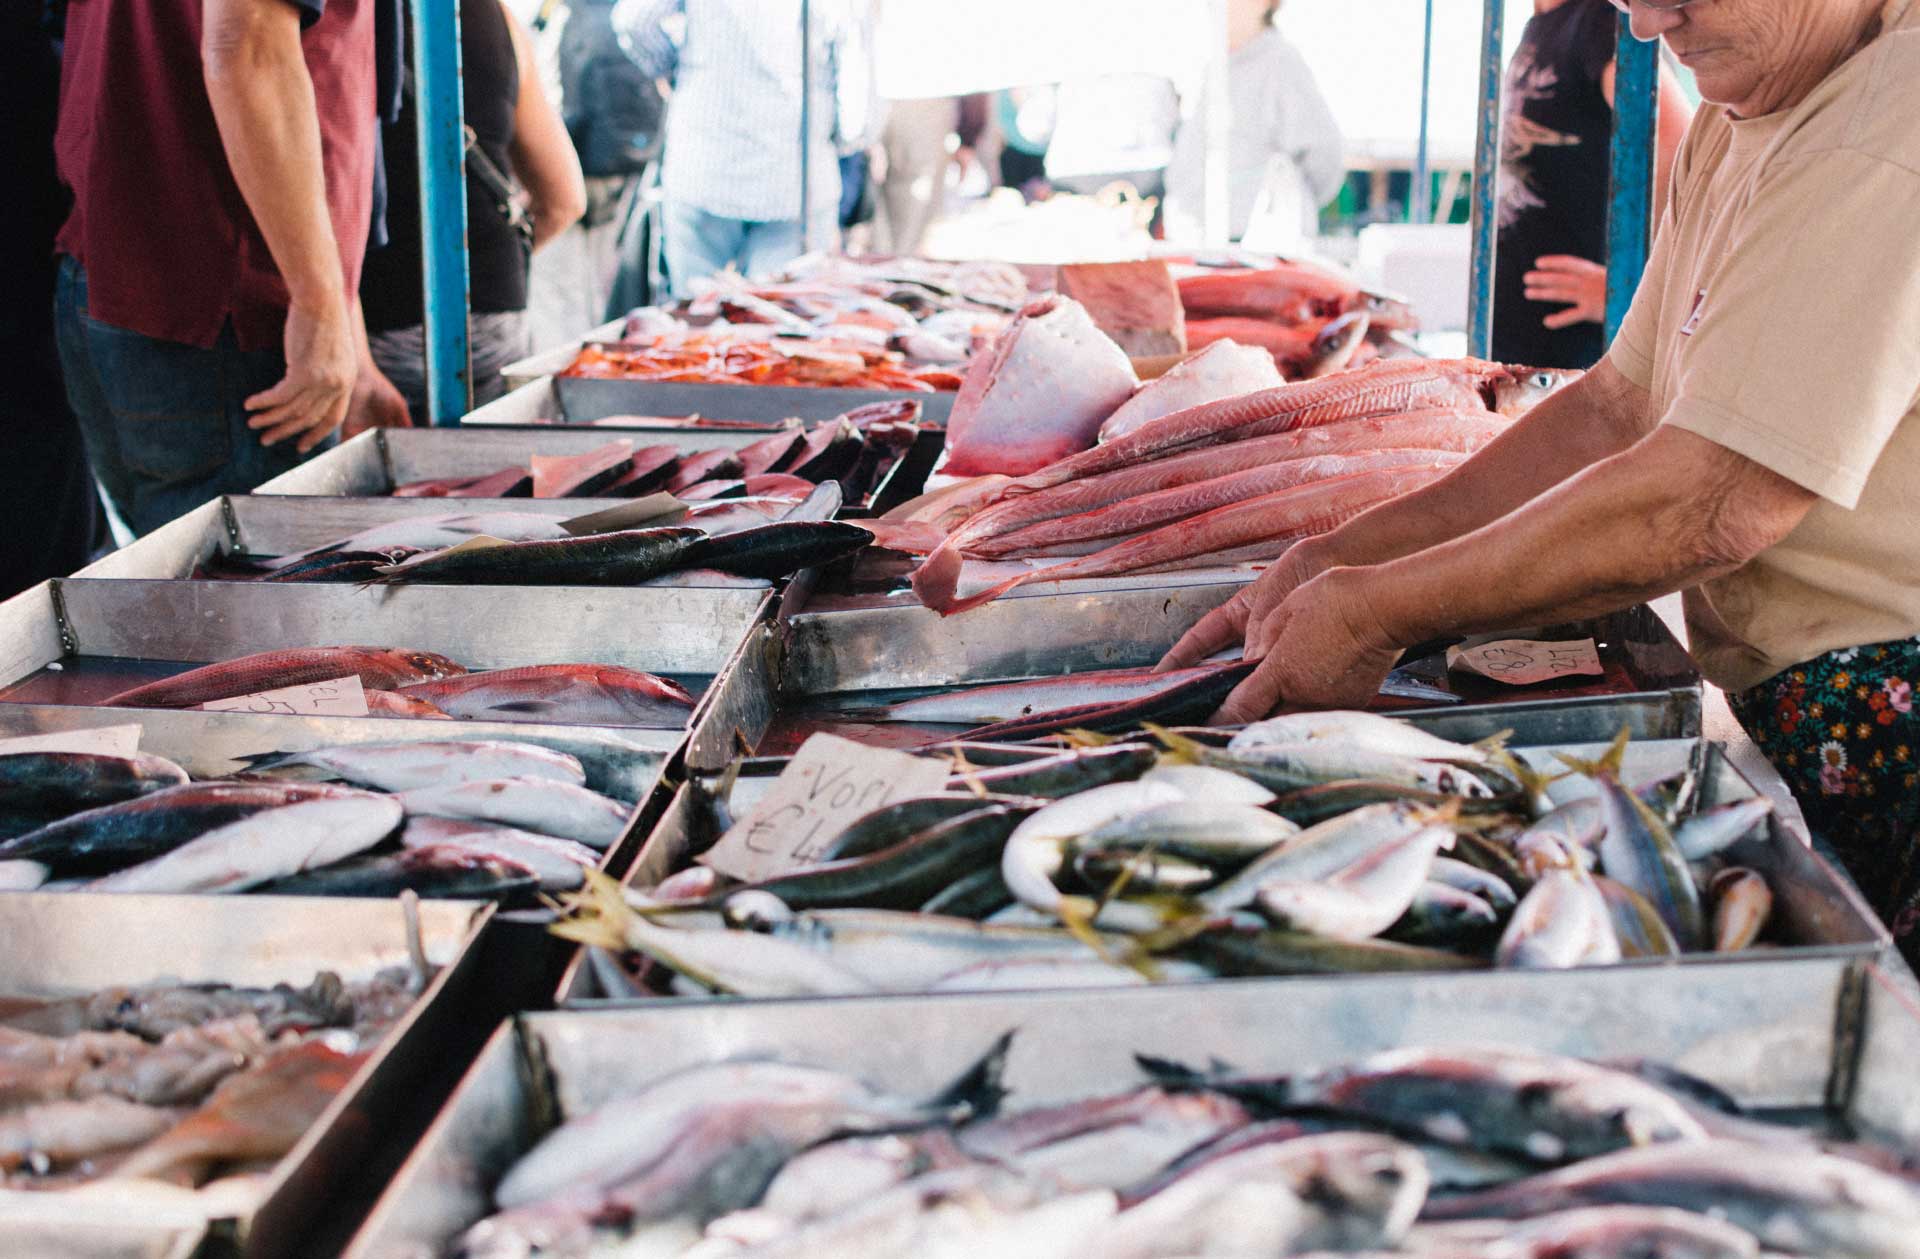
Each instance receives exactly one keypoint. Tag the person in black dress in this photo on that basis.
(1550, 280)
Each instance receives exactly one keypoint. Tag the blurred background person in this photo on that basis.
(524, 187)
(1550, 275)
(1285, 157)
(731, 170)
(1113, 128)
(1024, 118)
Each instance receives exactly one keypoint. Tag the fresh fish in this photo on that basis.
(1613, 1232)
(1360, 900)
(1790, 1199)
(117, 835)
(1524, 388)
(1638, 850)
(63, 1132)
(708, 465)
(1221, 370)
(21, 876)
(1062, 774)
(433, 533)
(382, 668)
(1322, 851)
(558, 864)
(1714, 830)
(1287, 767)
(974, 896)
(839, 1174)
(1441, 914)
(394, 704)
(906, 874)
(403, 766)
(266, 846)
(1562, 921)
(1484, 884)
(561, 476)
(895, 823)
(1637, 925)
(1007, 701)
(1384, 735)
(1742, 903)
(543, 805)
(765, 454)
(56, 783)
(1102, 869)
(1312, 805)
(627, 557)
(446, 871)
(1208, 830)
(780, 549)
(1576, 826)
(1267, 953)
(1029, 974)
(1036, 851)
(828, 454)
(581, 694)
(1191, 698)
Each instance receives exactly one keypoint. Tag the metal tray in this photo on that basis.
(1788, 1036)
(65, 944)
(555, 358)
(1821, 911)
(536, 401)
(584, 398)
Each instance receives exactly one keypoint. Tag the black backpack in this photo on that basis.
(612, 109)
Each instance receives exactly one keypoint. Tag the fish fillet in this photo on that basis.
(1222, 370)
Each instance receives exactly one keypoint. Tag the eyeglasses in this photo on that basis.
(1626, 6)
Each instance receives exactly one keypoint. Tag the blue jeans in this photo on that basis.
(165, 424)
(699, 244)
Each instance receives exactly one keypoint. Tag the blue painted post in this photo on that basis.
(443, 206)
(1636, 120)
(1422, 208)
(1486, 171)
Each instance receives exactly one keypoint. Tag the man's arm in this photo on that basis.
(262, 98)
(1597, 416)
(1670, 513)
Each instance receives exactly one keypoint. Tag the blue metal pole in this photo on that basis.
(443, 206)
(1486, 167)
(1636, 120)
(1422, 178)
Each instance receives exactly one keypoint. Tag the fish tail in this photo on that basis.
(1531, 781)
(1176, 1076)
(596, 914)
(1608, 766)
(1077, 737)
(953, 607)
(1179, 748)
(937, 580)
(979, 1090)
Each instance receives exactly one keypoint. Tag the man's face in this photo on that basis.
(1736, 48)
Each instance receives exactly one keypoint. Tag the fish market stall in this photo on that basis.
(1740, 1084)
(233, 1095)
(547, 361)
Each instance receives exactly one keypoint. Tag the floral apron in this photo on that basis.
(1842, 731)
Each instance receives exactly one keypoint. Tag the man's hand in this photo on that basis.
(322, 365)
(1331, 652)
(1580, 284)
(1246, 616)
(375, 404)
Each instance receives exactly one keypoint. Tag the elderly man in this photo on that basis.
(1751, 438)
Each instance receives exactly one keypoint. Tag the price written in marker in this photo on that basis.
(829, 782)
(1525, 661)
(337, 697)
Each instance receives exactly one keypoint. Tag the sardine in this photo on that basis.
(382, 668)
(402, 766)
(780, 549)
(445, 871)
(560, 809)
(624, 558)
(266, 846)
(580, 694)
(1742, 904)
(558, 864)
(1288, 767)
(57, 783)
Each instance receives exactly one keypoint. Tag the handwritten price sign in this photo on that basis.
(830, 782)
(338, 697)
(1524, 661)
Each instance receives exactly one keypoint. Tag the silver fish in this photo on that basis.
(266, 846)
(404, 766)
(1363, 899)
(542, 805)
(1371, 731)
(1711, 831)
(559, 864)
(1319, 852)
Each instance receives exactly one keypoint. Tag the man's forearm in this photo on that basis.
(263, 103)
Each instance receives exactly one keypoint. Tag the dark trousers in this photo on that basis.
(54, 521)
(165, 424)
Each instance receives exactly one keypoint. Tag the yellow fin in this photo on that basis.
(1608, 766)
(1179, 748)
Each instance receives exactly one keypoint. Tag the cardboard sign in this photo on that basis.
(1523, 661)
(829, 782)
(100, 741)
(339, 697)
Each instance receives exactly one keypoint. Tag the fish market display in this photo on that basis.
(1465, 1153)
(1320, 842)
(1221, 370)
(379, 668)
(582, 694)
(482, 818)
(713, 358)
(185, 1084)
(1312, 320)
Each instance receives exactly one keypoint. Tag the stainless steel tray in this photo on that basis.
(64, 944)
(1787, 1035)
(554, 358)
(1822, 913)
(584, 398)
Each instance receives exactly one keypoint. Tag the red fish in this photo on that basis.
(379, 668)
(585, 694)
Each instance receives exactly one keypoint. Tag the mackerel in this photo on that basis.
(894, 823)
(403, 766)
(1006, 701)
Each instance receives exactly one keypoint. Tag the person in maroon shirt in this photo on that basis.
(220, 154)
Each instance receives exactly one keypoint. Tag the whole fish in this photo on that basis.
(1613, 1232)
(1036, 851)
(1742, 903)
(1714, 830)
(1484, 884)
(627, 557)
(1102, 869)
(393, 704)
(974, 896)
(1576, 826)
(1266, 953)
(446, 871)
(382, 668)
(1200, 782)
(1029, 974)
(432, 533)
(1189, 698)
(905, 875)
(1007, 701)
(562, 809)
(117, 835)
(1561, 922)
(780, 549)
(1638, 850)
(1059, 775)
(1324, 850)
(1441, 914)
(1637, 925)
(894, 823)
(1790, 1199)
(558, 864)
(63, 1132)
(1387, 736)
(1218, 832)
(580, 694)
(266, 846)
(66, 782)
(1360, 900)
(403, 766)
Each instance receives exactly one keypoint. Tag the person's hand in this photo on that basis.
(375, 404)
(1330, 652)
(1580, 284)
(311, 399)
(1246, 616)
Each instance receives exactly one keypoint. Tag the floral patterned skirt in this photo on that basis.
(1843, 732)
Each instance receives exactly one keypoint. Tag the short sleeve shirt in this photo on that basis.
(1779, 317)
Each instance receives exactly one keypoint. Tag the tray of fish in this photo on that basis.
(901, 676)
(1319, 843)
(547, 656)
(183, 1065)
(1451, 1117)
(546, 362)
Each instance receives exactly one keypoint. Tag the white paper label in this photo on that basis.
(1523, 661)
(101, 741)
(829, 782)
(339, 697)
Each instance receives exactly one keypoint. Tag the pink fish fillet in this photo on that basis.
(1296, 513)
(1040, 395)
(1149, 511)
(1224, 369)
(556, 475)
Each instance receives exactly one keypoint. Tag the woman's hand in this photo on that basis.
(1579, 284)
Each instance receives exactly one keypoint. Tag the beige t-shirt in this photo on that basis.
(1779, 317)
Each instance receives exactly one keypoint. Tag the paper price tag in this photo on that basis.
(100, 741)
(339, 697)
(830, 782)
(1524, 661)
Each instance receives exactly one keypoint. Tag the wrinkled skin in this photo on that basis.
(1758, 56)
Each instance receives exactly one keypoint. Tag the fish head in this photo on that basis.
(1368, 1188)
(1521, 389)
(430, 666)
